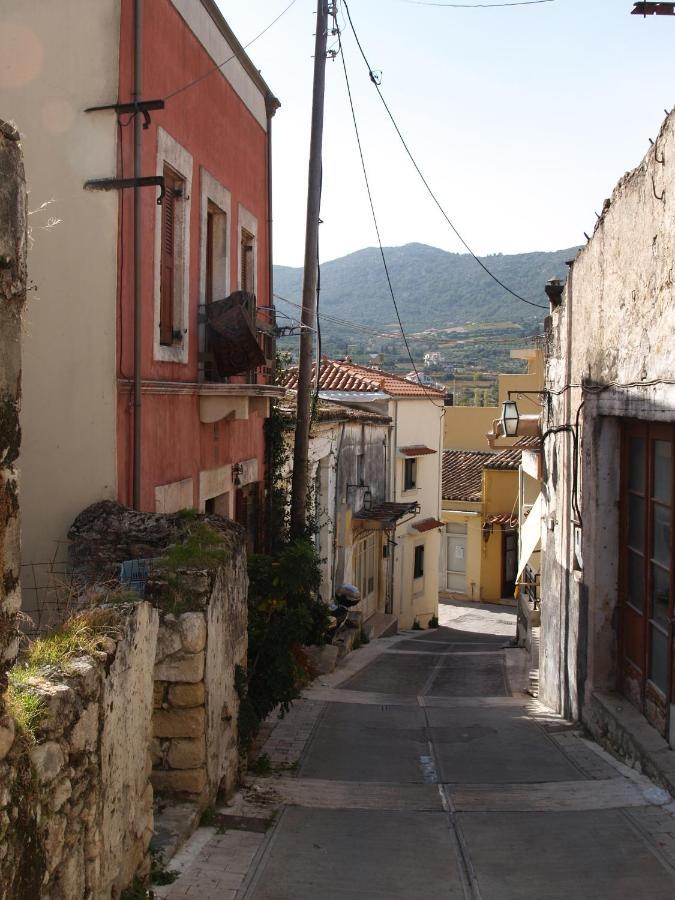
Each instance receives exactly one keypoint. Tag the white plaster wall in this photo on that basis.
(65, 58)
(417, 422)
(614, 328)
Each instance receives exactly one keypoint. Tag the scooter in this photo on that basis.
(346, 596)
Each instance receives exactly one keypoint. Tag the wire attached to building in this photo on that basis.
(218, 66)
(374, 77)
(377, 227)
(478, 5)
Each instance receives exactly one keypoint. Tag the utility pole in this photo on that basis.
(301, 450)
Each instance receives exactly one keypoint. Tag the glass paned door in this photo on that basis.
(646, 555)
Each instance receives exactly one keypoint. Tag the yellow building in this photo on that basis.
(465, 427)
(479, 556)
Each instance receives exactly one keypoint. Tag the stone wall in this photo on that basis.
(195, 748)
(12, 297)
(154, 703)
(75, 801)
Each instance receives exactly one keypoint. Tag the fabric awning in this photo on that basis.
(230, 335)
(530, 535)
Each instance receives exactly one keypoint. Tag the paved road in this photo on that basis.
(424, 771)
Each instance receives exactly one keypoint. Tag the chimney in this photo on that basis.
(554, 291)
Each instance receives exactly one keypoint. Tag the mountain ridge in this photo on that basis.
(433, 287)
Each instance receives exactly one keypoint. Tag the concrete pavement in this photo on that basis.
(422, 769)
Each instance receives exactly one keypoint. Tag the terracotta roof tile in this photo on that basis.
(336, 375)
(505, 459)
(428, 525)
(463, 473)
(416, 450)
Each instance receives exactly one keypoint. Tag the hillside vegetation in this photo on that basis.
(434, 288)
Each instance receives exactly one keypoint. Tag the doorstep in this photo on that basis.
(618, 726)
(380, 625)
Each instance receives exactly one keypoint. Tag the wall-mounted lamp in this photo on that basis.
(237, 470)
(510, 418)
(487, 531)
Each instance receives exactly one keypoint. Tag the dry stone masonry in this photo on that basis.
(153, 708)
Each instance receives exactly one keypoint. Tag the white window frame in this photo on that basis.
(213, 192)
(246, 221)
(170, 152)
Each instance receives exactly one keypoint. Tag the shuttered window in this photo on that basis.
(247, 261)
(173, 190)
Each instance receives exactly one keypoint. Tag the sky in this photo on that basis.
(522, 118)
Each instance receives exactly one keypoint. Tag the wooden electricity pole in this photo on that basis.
(300, 453)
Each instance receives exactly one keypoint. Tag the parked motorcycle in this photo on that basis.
(346, 596)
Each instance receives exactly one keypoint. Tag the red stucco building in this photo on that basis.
(148, 347)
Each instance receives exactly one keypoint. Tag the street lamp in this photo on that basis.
(510, 418)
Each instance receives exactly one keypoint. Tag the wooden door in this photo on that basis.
(646, 566)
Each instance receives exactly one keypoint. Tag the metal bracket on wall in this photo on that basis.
(137, 106)
(112, 184)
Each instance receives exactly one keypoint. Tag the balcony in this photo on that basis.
(235, 341)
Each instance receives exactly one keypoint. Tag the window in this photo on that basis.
(174, 191)
(410, 475)
(418, 569)
(247, 279)
(215, 281)
(172, 252)
(646, 555)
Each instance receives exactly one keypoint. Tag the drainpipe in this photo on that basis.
(138, 13)
(271, 106)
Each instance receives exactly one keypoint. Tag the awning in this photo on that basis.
(428, 525)
(416, 450)
(506, 520)
(385, 515)
(530, 535)
(230, 335)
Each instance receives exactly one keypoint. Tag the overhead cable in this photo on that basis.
(478, 5)
(218, 66)
(374, 77)
(377, 227)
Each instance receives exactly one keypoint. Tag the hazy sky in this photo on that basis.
(522, 118)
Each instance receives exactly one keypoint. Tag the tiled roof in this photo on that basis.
(504, 519)
(416, 450)
(387, 513)
(529, 443)
(336, 375)
(336, 412)
(428, 525)
(463, 473)
(505, 459)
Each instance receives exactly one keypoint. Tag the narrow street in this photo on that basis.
(421, 768)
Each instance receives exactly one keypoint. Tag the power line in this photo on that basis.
(377, 227)
(477, 5)
(376, 81)
(215, 68)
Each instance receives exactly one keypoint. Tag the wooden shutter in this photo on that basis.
(247, 262)
(172, 190)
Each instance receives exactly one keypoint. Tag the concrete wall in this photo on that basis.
(68, 409)
(611, 356)
(12, 297)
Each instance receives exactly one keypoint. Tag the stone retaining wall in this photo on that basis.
(76, 805)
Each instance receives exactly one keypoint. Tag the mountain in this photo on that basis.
(433, 288)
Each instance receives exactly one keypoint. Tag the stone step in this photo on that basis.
(381, 625)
